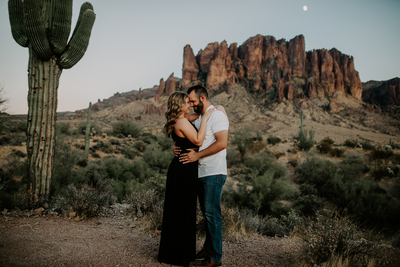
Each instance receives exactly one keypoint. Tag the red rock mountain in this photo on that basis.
(264, 65)
(386, 93)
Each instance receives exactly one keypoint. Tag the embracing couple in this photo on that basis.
(199, 169)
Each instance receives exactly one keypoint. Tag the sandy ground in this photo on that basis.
(56, 241)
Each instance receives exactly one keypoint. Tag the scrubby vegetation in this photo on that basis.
(262, 197)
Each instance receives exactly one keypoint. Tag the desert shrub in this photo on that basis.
(351, 143)
(96, 155)
(143, 201)
(120, 136)
(380, 153)
(366, 145)
(115, 142)
(104, 146)
(21, 126)
(306, 143)
(243, 139)
(122, 189)
(395, 191)
(281, 226)
(82, 127)
(232, 157)
(129, 152)
(64, 173)
(126, 128)
(13, 178)
(262, 184)
(140, 145)
(396, 240)
(63, 128)
(336, 152)
(336, 235)
(293, 160)
(343, 186)
(86, 201)
(325, 146)
(19, 153)
(12, 140)
(157, 158)
(273, 139)
(308, 202)
(148, 138)
(165, 142)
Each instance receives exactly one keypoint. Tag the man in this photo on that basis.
(212, 173)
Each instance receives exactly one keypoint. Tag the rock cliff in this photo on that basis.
(383, 94)
(266, 65)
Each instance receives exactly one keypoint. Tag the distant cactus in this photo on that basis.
(44, 27)
(87, 131)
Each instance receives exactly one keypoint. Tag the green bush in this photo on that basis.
(12, 140)
(308, 202)
(64, 172)
(21, 126)
(126, 128)
(366, 145)
(343, 185)
(104, 146)
(129, 152)
(262, 185)
(232, 157)
(396, 240)
(273, 140)
(328, 236)
(155, 157)
(86, 201)
(140, 145)
(82, 127)
(337, 152)
(325, 145)
(243, 138)
(63, 128)
(351, 143)
(165, 142)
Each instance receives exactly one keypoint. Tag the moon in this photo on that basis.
(305, 8)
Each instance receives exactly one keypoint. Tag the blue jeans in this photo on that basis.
(210, 190)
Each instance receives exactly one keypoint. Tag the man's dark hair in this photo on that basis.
(199, 90)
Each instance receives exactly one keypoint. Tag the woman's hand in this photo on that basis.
(207, 114)
(221, 108)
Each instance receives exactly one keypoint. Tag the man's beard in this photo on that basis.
(199, 107)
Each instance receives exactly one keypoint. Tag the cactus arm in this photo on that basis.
(79, 41)
(16, 12)
(36, 30)
(60, 25)
(85, 6)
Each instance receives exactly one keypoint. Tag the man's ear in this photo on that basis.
(203, 98)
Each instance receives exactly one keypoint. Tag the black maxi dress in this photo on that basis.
(178, 233)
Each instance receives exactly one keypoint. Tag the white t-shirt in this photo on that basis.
(214, 164)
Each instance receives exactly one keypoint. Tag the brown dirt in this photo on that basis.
(57, 241)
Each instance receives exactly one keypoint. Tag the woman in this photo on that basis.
(178, 234)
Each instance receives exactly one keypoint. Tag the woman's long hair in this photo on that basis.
(176, 101)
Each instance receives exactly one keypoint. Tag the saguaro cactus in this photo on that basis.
(44, 27)
(87, 131)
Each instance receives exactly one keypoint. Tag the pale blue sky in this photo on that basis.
(135, 43)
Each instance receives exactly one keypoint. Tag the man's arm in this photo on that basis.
(221, 142)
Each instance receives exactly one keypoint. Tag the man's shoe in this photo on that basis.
(208, 263)
(202, 254)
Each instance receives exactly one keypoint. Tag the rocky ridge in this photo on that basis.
(276, 67)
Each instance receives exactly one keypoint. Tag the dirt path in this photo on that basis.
(56, 241)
